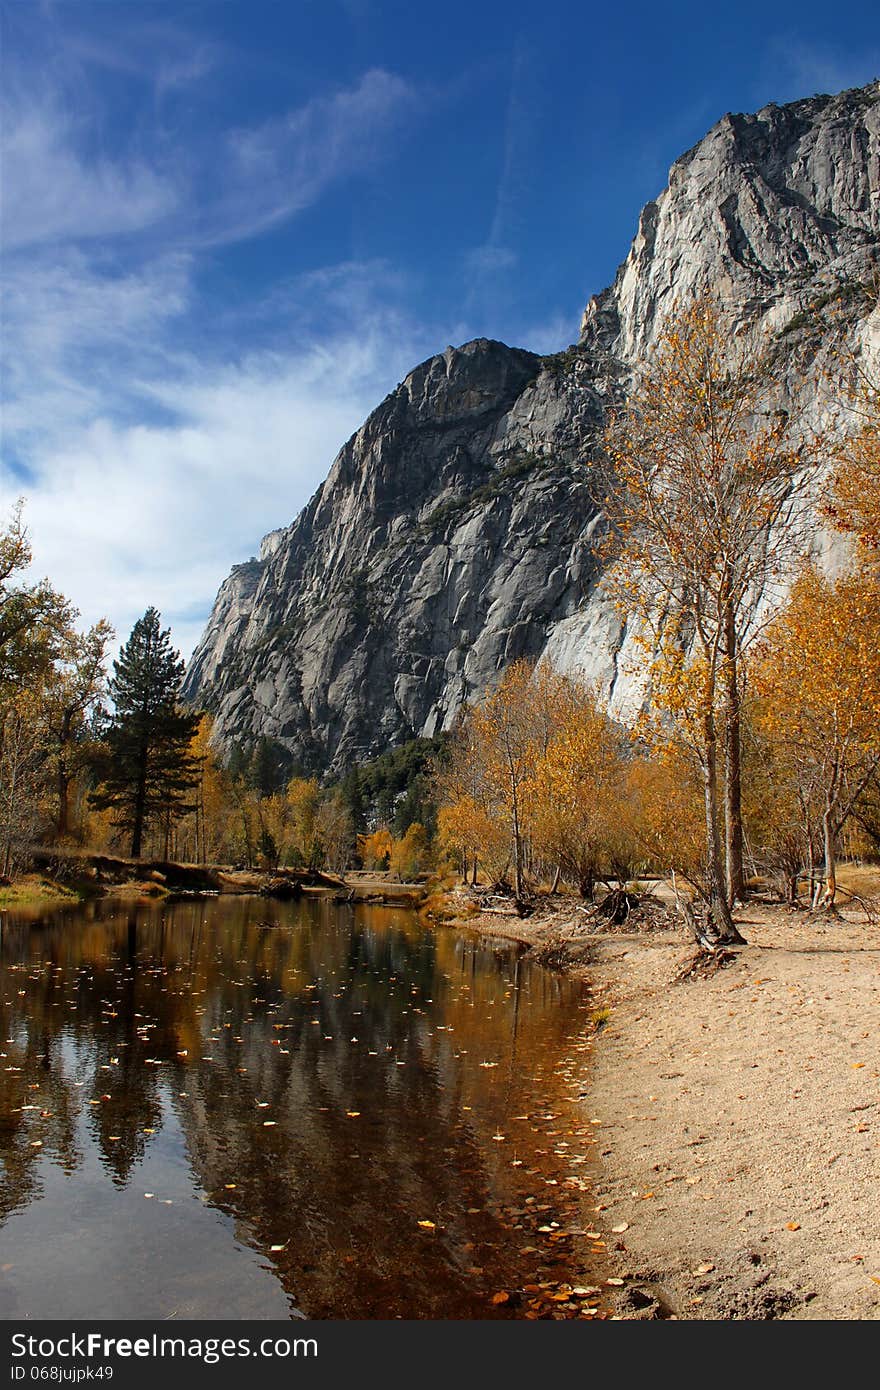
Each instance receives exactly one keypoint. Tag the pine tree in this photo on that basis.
(150, 767)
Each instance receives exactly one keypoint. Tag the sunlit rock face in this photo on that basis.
(457, 529)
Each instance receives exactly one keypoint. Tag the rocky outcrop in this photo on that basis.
(457, 529)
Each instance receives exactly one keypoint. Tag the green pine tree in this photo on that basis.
(150, 769)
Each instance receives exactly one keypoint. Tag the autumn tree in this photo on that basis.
(34, 619)
(375, 848)
(509, 732)
(818, 672)
(334, 831)
(22, 778)
(410, 854)
(72, 693)
(661, 811)
(304, 796)
(580, 779)
(466, 829)
(705, 471)
(150, 769)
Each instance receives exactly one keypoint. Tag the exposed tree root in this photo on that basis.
(703, 964)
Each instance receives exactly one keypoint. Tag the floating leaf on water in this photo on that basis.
(428, 1225)
(352, 1114)
(502, 1296)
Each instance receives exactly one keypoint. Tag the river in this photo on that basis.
(235, 1108)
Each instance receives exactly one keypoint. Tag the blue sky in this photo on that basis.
(229, 230)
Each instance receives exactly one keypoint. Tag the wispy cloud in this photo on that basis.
(274, 170)
(52, 192)
(794, 67)
(157, 432)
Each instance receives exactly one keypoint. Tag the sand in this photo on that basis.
(738, 1116)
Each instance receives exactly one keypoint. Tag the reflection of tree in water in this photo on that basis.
(319, 1075)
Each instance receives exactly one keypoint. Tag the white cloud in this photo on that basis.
(75, 341)
(51, 192)
(157, 435)
(124, 513)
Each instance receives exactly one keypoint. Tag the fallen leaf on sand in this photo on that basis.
(619, 1229)
(792, 1225)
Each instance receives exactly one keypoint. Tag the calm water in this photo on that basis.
(237, 1109)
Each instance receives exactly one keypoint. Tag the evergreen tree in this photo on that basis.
(150, 768)
(353, 797)
(265, 774)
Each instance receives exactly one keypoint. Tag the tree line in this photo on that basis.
(758, 741)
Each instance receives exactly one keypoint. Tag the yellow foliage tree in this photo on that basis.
(375, 849)
(704, 476)
(410, 854)
(304, 796)
(579, 781)
(818, 672)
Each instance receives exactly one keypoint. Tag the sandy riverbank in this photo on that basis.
(738, 1116)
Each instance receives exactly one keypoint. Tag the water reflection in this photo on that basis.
(231, 1109)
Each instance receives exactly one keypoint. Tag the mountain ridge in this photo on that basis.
(456, 528)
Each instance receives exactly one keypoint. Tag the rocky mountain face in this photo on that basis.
(457, 528)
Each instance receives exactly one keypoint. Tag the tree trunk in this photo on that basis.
(517, 850)
(140, 804)
(830, 838)
(717, 889)
(587, 886)
(733, 826)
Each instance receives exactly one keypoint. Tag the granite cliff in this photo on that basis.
(456, 530)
